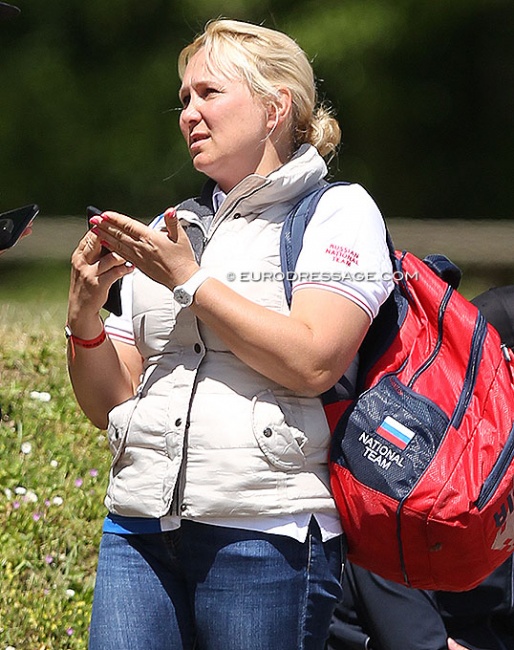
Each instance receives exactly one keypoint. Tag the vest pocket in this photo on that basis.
(280, 442)
(117, 430)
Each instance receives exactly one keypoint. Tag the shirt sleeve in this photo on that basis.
(345, 251)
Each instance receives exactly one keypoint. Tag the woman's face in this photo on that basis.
(225, 127)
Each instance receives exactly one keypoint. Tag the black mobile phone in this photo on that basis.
(113, 302)
(14, 223)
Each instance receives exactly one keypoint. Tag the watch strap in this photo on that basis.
(191, 286)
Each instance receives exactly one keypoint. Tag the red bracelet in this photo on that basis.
(84, 343)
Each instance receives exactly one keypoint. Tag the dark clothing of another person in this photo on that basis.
(377, 614)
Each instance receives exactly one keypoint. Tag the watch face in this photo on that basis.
(182, 297)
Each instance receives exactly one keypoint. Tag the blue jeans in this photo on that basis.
(205, 587)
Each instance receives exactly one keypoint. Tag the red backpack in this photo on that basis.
(421, 461)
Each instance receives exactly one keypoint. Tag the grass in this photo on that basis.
(52, 474)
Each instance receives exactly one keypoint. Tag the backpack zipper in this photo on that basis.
(435, 352)
(497, 472)
(477, 344)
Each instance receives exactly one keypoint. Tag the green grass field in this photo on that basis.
(53, 471)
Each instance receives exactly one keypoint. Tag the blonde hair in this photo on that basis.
(269, 60)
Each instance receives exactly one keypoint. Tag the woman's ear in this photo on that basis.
(279, 110)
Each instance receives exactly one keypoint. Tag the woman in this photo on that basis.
(222, 532)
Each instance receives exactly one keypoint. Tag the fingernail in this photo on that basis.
(170, 212)
(95, 230)
(96, 220)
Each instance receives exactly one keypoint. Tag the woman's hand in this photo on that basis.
(102, 376)
(453, 645)
(92, 274)
(165, 256)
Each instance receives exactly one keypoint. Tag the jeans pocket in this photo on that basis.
(280, 442)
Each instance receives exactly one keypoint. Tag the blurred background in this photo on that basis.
(424, 92)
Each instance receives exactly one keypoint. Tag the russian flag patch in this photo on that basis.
(395, 432)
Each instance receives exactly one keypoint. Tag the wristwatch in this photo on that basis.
(184, 293)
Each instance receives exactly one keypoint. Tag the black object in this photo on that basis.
(377, 614)
(497, 305)
(113, 302)
(14, 222)
(8, 11)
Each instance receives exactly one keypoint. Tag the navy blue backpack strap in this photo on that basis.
(291, 239)
(298, 219)
(294, 228)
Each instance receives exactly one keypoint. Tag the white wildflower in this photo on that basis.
(57, 501)
(40, 396)
(70, 593)
(54, 463)
(26, 448)
(30, 497)
(20, 490)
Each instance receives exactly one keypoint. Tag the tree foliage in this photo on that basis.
(424, 93)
